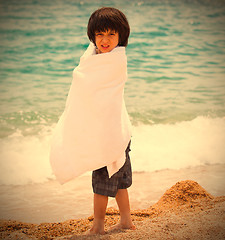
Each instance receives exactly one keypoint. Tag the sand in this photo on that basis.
(185, 211)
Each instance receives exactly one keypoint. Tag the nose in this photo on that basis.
(105, 39)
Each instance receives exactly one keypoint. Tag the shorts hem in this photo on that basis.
(108, 194)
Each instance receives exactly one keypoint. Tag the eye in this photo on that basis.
(98, 34)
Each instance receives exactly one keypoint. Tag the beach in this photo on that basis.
(185, 211)
(175, 99)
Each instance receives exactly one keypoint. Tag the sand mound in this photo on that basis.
(183, 193)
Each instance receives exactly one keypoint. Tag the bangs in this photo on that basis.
(103, 24)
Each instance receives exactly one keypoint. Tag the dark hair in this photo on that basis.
(107, 18)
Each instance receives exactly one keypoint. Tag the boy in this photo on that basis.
(108, 28)
(94, 131)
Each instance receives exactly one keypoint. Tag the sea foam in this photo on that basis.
(25, 159)
(181, 145)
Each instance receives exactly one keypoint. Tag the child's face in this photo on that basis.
(106, 41)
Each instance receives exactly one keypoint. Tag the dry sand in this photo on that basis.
(185, 211)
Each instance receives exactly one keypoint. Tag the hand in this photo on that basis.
(97, 51)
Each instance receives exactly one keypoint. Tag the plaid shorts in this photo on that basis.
(103, 185)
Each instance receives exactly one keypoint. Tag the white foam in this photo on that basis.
(24, 159)
(185, 144)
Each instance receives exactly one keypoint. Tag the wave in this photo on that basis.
(181, 145)
(24, 159)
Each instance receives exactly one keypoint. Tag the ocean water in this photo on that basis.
(175, 93)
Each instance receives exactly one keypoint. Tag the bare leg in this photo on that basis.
(122, 200)
(100, 204)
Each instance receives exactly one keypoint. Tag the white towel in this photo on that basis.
(94, 129)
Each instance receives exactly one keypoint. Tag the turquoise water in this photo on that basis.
(176, 80)
(176, 59)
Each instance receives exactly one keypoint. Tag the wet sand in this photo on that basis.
(185, 211)
(51, 202)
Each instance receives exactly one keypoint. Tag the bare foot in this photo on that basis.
(120, 226)
(93, 231)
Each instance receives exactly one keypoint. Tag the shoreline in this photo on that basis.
(185, 211)
(50, 202)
